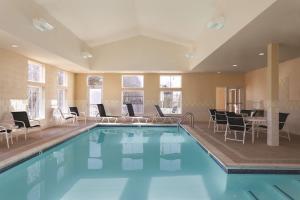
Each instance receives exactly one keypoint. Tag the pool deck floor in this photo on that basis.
(259, 155)
(232, 154)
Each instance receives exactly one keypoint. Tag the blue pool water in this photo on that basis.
(136, 163)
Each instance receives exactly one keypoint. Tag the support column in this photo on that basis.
(272, 95)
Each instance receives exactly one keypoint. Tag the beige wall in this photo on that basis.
(289, 90)
(13, 84)
(140, 53)
(198, 90)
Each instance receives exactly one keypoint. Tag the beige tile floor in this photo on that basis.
(235, 153)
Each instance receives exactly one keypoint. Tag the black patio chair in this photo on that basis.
(212, 116)
(282, 123)
(79, 115)
(221, 119)
(161, 115)
(236, 124)
(102, 114)
(21, 120)
(131, 114)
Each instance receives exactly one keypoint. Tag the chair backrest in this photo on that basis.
(246, 112)
(236, 123)
(130, 110)
(21, 116)
(259, 113)
(101, 110)
(74, 110)
(221, 117)
(160, 113)
(282, 119)
(212, 113)
(232, 114)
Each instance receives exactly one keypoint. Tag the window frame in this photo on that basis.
(132, 75)
(65, 79)
(94, 87)
(42, 101)
(181, 97)
(123, 105)
(174, 75)
(42, 73)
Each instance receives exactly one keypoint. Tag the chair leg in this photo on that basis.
(226, 132)
(209, 122)
(7, 140)
(244, 134)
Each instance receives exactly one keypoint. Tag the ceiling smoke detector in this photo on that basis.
(217, 23)
(42, 25)
(86, 55)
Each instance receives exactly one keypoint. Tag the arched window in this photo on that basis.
(95, 88)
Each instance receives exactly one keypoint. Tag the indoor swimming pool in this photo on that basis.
(136, 163)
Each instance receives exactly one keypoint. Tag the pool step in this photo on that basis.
(252, 196)
(283, 192)
(291, 188)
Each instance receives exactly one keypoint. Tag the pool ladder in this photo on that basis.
(190, 115)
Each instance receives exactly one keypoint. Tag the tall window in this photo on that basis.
(95, 85)
(62, 82)
(170, 94)
(133, 93)
(36, 79)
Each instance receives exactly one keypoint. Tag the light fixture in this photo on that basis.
(234, 65)
(218, 72)
(86, 55)
(42, 25)
(14, 46)
(189, 55)
(217, 23)
(261, 54)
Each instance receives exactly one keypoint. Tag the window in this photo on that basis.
(171, 99)
(170, 102)
(132, 81)
(95, 85)
(62, 83)
(35, 95)
(62, 78)
(35, 102)
(173, 81)
(133, 93)
(61, 99)
(35, 72)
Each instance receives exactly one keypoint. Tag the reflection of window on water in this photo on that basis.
(33, 172)
(59, 156)
(133, 144)
(60, 173)
(170, 165)
(170, 144)
(95, 163)
(95, 152)
(35, 192)
(132, 164)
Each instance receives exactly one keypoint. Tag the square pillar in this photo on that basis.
(272, 96)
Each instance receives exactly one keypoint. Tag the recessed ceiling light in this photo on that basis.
(235, 65)
(14, 46)
(261, 54)
(218, 72)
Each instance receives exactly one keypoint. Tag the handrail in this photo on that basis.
(188, 114)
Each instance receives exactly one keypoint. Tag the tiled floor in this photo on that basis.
(235, 153)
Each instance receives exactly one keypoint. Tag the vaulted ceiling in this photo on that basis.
(139, 35)
(101, 21)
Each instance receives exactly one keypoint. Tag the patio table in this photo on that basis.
(255, 121)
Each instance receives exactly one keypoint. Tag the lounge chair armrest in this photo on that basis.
(35, 120)
(21, 123)
(73, 113)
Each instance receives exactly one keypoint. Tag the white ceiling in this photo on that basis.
(278, 24)
(101, 21)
